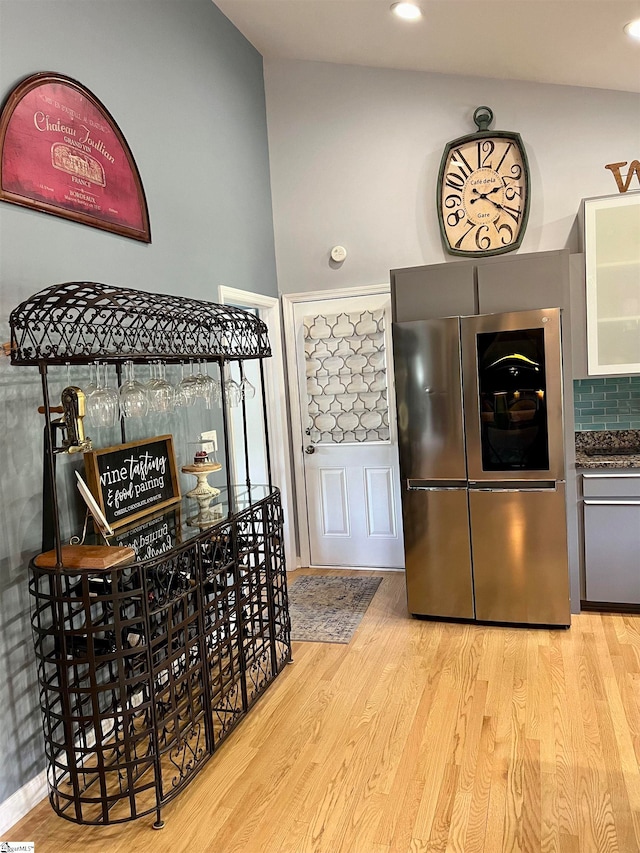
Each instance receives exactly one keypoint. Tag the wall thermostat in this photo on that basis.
(338, 253)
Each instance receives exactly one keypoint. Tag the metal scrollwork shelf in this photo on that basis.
(82, 322)
(146, 667)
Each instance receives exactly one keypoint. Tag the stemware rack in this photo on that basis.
(145, 668)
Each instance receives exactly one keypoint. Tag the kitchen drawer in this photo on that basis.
(611, 485)
(612, 549)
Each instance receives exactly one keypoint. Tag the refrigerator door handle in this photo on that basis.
(510, 486)
(436, 489)
(435, 485)
(495, 491)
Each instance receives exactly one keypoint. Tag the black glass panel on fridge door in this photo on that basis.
(512, 387)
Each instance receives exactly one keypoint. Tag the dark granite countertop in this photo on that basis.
(608, 449)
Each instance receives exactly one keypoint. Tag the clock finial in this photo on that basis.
(483, 116)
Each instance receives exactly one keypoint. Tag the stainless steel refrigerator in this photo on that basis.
(480, 431)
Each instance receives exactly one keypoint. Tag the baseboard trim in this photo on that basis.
(22, 801)
(609, 607)
(353, 568)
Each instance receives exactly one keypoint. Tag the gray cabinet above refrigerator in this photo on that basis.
(431, 292)
(481, 286)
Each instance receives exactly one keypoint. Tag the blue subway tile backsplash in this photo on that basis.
(607, 403)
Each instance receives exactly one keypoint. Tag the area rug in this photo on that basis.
(328, 608)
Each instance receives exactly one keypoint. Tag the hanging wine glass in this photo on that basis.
(181, 396)
(208, 388)
(105, 383)
(92, 385)
(66, 382)
(160, 392)
(215, 394)
(91, 414)
(200, 384)
(152, 378)
(186, 391)
(232, 391)
(134, 402)
(149, 385)
(103, 403)
(247, 390)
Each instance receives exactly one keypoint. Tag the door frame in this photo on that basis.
(289, 300)
(275, 397)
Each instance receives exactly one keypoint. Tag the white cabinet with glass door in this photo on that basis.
(612, 258)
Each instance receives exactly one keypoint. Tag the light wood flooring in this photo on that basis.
(417, 736)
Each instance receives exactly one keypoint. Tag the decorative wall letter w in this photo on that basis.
(634, 169)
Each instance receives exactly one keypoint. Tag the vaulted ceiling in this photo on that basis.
(572, 42)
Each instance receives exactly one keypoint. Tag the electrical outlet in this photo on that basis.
(210, 435)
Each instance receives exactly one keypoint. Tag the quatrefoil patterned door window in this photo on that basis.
(346, 374)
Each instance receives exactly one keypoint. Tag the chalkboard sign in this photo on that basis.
(152, 536)
(131, 480)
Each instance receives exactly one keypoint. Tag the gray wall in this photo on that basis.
(187, 92)
(355, 154)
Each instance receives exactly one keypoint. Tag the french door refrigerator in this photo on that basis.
(480, 432)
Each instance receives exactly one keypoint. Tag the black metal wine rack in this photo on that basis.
(144, 670)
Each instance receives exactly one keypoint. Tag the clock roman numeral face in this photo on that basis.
(483, 200)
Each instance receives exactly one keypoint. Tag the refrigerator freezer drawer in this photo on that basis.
(520, 562)
(438, 556)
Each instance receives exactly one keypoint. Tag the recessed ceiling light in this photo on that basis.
(633, 29)
(407, 11)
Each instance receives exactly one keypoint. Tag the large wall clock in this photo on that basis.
(483, 191)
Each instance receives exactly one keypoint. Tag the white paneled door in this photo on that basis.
(347, 444)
